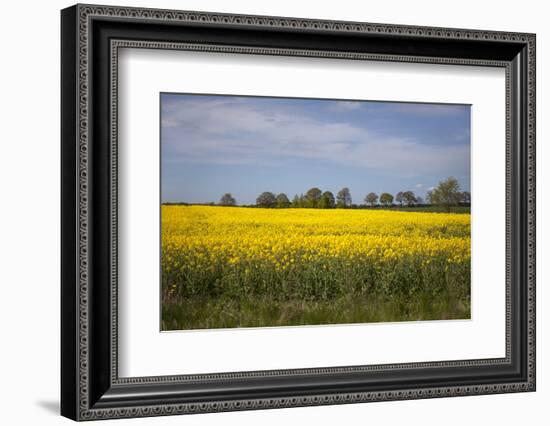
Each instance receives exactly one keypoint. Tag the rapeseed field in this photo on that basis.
(225, 267)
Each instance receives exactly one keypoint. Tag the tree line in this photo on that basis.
(313, 198)
(446, 194)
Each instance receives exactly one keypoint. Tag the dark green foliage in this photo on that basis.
(447, 194)
(266, 199)
(227, 200)
(282, 201)
(299, 201)
(409, 198)
(399, 198)
(371, 199)
(327, 200)
(386, 199)
(313, 196)
(343, 198)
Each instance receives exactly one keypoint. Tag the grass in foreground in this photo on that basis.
(234, 267)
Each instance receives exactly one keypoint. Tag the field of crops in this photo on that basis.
(250, 267)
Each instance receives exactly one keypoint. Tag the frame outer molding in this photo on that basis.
(76, 402)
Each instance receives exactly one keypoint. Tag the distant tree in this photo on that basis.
(227, 200)
(399, 198)
(371, 199)
(446, 194)
(386, 199)
(302, 202)
(343, 198)
(429, 196)
(313, 196)
(327, 200)
(465, 197)
(266, 199)
(419, 200)
(299, 201)
(409, 198)
(282, 201)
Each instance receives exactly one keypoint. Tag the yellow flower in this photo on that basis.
(195, 237)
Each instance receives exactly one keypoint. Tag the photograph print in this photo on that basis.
(290, 212)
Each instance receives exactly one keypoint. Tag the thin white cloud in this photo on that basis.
(233, 131)
(345, 106)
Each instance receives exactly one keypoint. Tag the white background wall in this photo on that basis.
(29, 212)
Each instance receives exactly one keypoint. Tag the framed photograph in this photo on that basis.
(263, 212)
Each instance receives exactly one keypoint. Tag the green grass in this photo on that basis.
(262, 312)
(400, 291)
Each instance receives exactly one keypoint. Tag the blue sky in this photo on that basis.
(213, 144)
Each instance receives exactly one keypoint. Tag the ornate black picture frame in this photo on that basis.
(91, 36)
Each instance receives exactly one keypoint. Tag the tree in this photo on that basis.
(313, 196)
(266, 199)
(299, 201)
(399, 198)
(419, 199)
(409, 197)
(446, 194)
(371, 199)
(282, 201)
(465, 197)
(386, 199)
(327, 200)
(227, 200)
(343, 198)
(429, 196)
